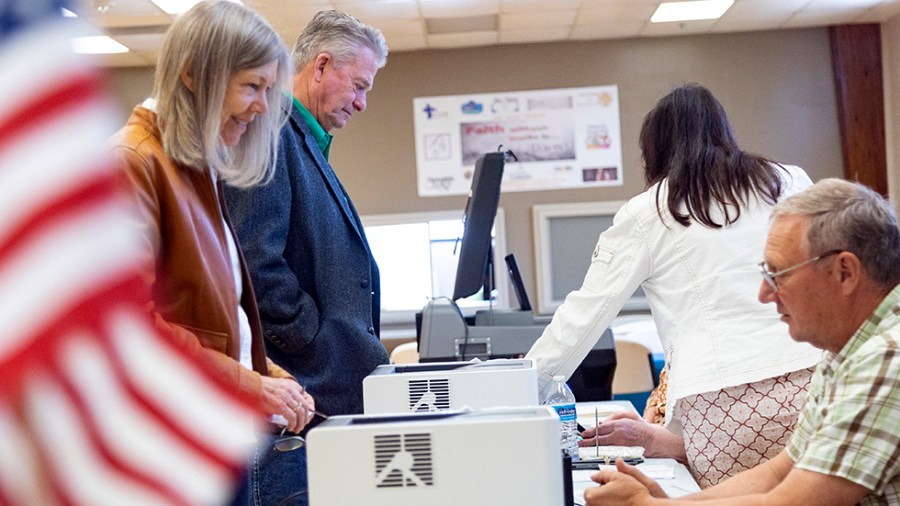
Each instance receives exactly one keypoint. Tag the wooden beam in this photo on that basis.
(856, 60)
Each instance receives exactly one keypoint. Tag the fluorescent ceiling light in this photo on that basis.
(179, 6)
(690, 11)
(98, 44)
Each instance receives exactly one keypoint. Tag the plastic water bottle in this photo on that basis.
(563, 401)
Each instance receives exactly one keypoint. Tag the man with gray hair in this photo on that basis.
(316, 280)
(832, 267)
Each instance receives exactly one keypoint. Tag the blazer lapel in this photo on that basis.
(324, 168)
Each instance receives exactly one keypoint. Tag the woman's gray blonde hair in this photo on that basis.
(340, 35)
(212, 41)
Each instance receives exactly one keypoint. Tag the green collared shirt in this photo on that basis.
(849, 424)
(322, 138)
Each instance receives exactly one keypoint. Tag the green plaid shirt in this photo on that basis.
(850, 424)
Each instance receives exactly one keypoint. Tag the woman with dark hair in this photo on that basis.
(736, 380)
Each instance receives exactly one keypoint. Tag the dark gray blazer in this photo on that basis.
(316, 280)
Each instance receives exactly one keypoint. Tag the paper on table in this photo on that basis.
(610, 452)
(585, 414)
(655, 471)
(587, 410)
(583, 475)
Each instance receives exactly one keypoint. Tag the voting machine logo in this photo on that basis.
(403, 460)
(429, 395)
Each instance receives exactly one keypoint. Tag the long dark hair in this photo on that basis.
(686, 140)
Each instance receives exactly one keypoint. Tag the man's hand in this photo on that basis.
(625, 486)
(287, 398)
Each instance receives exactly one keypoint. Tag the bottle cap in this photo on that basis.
(559, 377)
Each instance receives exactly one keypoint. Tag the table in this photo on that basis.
(679, 484)
(672, 476)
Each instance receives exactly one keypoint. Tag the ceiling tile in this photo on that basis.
(373, 11)
(889, 9)
(130, 59)
(762, 9)
(512, 6)
(594, 11)
(841, 5)
(537, 19)
(823, 17)
(749, 15)
(405, 42)
(454, 8)
(148, 42)
(115, 8)
(470, 39)
(882, 12)
(403, 28)
(139, 23)
(133, 21)
(677, 28)
(290, 21)
(550, 33)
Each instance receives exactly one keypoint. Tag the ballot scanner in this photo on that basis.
(443, 386)
(485, 457)
(444, 333)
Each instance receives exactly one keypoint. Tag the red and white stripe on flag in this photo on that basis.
(96, 406)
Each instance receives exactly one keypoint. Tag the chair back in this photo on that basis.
(406, 353)
(634, 373)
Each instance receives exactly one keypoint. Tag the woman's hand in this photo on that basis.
(629, 429)
(620, 429)
(287, 398)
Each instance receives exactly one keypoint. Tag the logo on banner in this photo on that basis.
(472, 107)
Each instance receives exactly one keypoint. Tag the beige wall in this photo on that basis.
(890, 55)
(776, 87)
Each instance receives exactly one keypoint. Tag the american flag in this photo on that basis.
(96, 406)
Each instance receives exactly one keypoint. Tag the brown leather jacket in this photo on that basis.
(189, 272)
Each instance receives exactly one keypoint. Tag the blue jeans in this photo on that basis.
(274, 478)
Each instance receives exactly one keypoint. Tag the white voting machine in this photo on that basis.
(442, 386)
(487, 457)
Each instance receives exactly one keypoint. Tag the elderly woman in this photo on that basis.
(213, 120)
(736, 380)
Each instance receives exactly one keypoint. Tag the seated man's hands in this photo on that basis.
(629, 429)
(626, 486)
(287, 398)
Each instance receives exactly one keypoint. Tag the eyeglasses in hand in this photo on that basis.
(293, 442)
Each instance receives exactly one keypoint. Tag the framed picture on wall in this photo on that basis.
(562, 138)
(564, 239)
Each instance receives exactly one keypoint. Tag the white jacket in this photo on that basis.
(701, 284)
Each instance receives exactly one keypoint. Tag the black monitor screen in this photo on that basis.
(475, 249)
(515, 277)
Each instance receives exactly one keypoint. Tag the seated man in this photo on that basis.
(832, 267)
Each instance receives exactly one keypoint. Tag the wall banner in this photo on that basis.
(563, 138)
